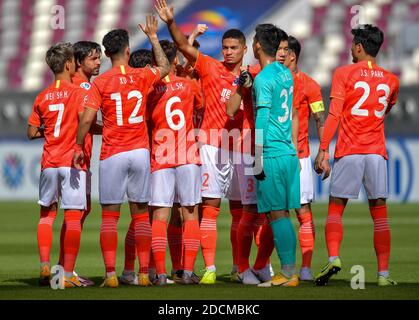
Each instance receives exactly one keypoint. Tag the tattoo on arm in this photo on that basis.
(320, 118)
(161, 59)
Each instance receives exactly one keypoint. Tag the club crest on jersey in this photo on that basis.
(85, 85)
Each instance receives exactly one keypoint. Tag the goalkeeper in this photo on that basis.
(276, 161)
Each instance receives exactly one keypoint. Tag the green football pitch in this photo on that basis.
(19, 265)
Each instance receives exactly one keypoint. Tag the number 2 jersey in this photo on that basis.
(121, 94)
(56, 109)
(171, 107)
(368, 91)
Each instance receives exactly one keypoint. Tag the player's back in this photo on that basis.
(276, 82)
(367, 90)
(121, 93)
(57, 108)
(171, 107)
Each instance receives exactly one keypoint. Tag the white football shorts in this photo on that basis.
(65, 182)
(352, 171)
(306, 181)
(216, 171)
(125, 173)
(183, 181)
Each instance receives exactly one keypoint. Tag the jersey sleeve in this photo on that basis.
(94, 98)
(35, 117)
(198, 101)
(203, 64)
(314, 94)
(338, 84)
(263, 92)
(80, 98)
(297, 92)
(395, 92)
(152, 76)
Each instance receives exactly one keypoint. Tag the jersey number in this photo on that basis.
(177, 112)
(356, 109)
(133, 118)
(60, 108)
(288, 113)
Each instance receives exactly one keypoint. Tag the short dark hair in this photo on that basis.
(57, 56)
(269, 37)
(234, 34)
(370, 37)
(294, 46)
(115, 41)
(140, 58)
(83, 49)
(170, 50)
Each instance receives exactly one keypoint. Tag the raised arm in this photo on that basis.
(197, 32)
(245, 81)
(166, 13)
(150, 29)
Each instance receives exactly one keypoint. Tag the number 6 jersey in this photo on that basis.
(170, 108)
(368, 92)
(121, 94)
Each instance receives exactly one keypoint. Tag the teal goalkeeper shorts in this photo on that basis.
(280, 190)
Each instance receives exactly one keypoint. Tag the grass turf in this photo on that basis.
(19, 263)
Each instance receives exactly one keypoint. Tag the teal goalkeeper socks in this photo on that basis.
(285, 241)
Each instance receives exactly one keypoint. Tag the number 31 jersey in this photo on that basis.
(171, 107)
(368, 92)
(121, 94)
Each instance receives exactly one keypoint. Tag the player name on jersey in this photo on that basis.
(49, 96)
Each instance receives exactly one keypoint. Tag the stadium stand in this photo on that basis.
(323, 26)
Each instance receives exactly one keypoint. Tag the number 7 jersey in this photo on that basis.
(368, 92)
(121, 94)
(56, 109)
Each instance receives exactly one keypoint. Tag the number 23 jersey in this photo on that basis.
(368, 92)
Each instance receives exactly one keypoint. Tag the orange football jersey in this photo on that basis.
(308, 100)
(368, 91)
(57, 108)
(218, 84)
(88, 140)
(171, 107)
(121, 94)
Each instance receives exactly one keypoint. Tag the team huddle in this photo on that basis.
(181, 131)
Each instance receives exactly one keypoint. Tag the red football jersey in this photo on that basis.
(88, 140)
(171, 106)
(248, 117)
(368, 91)
(309, 100)
(121, 94)
(218, 84)
(57, 108)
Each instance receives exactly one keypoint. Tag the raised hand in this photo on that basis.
(151, 26)
(165, 12)
(199, 30)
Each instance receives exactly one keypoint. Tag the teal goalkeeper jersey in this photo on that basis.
(273, 92)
